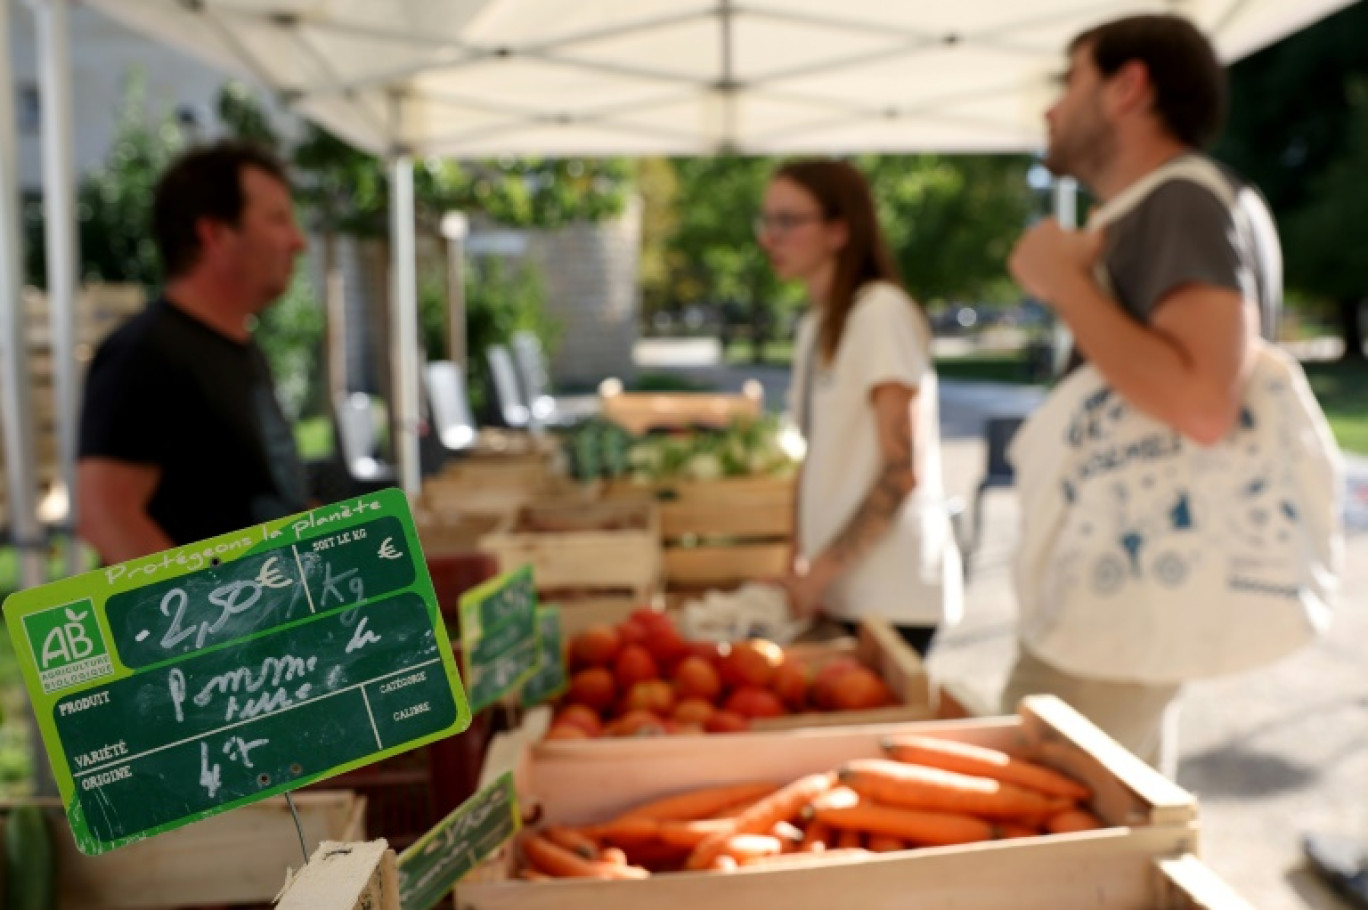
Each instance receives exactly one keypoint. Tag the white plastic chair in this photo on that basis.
(451, 415)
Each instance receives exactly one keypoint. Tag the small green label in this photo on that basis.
(550, 679)
(436, 862)
(177, 686)
(499, 636)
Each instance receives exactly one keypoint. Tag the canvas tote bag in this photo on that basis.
(1148, 558)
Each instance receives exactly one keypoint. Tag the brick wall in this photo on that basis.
(590, 272)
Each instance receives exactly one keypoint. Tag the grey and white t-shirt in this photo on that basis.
(1182, 233)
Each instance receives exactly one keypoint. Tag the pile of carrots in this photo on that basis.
(927, 792)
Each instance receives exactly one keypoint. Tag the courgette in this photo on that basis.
(30, 867)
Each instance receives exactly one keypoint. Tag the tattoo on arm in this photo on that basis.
(876, 514)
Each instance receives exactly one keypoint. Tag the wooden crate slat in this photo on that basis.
(237, 857)
(590, 547)
(737, 507)
(641, 412)
(724, 565)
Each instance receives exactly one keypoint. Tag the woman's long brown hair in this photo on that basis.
(843, 194)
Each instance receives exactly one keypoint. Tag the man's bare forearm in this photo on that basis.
(1150, 369)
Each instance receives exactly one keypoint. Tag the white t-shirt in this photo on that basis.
(912, 576)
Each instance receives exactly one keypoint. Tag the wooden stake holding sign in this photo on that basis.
(345, 876)
(177, 686)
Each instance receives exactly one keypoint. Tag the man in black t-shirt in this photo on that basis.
(1166, 299)
(181, 435)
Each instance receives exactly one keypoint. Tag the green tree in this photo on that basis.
(347, 190)
(950, 222)
(1295, 129)
(113, 202)
(712, 256)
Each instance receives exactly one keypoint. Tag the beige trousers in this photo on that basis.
(1139, 716)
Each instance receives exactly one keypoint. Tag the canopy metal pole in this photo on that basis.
(1066, 213)
(404, 316)
(14, 383)
(63, 254)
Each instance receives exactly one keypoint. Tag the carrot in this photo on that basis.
(614, 855)
(572, 840)
(929, 829)
(789, 835)
(532, 875)
(723, 862)
(920, 787)
(737, 808)
(885, 843)
(1073, 820)
(849, 839)
(745, 847)
(623, 830)
(967, 758)
(817, 838)
(803, 859)
(1007, 830)
(656, 856)
(553, 859)
(836, 797)
(782, 805)
(702, 803)
(692, 833)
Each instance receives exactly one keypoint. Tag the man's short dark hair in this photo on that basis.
(203, 183)
(1189, 82)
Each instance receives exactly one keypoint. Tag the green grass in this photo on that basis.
(993, 366)
(16, 762)
(1342, 389)
(314, 437)
(56, 567)
(774, 353)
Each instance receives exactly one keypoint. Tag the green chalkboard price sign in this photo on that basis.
(439, 859)
(499, 636)
(179, 685)
(550, 678)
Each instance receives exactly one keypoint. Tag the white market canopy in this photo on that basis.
(478, 78)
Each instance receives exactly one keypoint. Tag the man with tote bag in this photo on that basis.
(1179, 486)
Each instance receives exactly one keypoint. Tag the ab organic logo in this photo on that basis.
(67, 645)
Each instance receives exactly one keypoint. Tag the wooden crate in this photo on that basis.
(720, 533)
(496, 486)
(500, 442)
(452, 532)
(729, 507)
(238, 857)
(579, 613)
(707, 566)
(590, 548)
(1115, 868)
(641, 412)
(878, 646)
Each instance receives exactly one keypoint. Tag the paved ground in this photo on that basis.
(1270, 754)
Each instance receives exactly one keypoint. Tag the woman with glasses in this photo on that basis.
(872, 536)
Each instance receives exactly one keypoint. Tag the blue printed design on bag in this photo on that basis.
(1154, 534)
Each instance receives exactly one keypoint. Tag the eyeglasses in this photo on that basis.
(781, 223)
